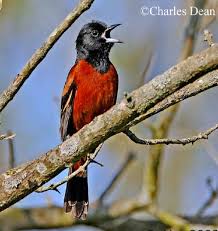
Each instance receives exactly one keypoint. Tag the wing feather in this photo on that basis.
(66, 124)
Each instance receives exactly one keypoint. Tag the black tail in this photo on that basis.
(76, 196)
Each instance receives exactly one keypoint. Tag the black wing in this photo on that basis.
(66, 124)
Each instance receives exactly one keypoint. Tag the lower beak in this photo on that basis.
(106, 34)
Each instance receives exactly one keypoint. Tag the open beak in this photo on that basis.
(106, 34)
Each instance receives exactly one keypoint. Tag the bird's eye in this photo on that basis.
(95, 33)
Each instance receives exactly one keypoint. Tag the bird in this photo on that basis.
(90, 90)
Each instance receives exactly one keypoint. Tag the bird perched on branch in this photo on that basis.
(90, 90)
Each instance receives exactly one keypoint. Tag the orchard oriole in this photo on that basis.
(90, 90)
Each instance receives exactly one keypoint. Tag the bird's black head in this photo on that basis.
(94, 40)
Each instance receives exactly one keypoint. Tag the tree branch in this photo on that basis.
(208, 36)
(82, 168)
(183, 141)
(11, 159)
(204, 83)
(8, 94)
(16, 183)
(7, 136)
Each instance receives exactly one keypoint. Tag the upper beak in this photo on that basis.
(106, 34)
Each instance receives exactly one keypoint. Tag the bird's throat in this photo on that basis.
(98, 59)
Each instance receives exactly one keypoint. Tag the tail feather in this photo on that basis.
(79, 210)
(76, 196)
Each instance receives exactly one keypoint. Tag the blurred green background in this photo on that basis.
(34, 113)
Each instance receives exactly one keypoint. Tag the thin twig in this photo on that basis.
(183, 141)
(8, 94)
(115, 180)
(11, 151)
(6, 136)
(208, 37)
(210, 201)
(82, 168)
